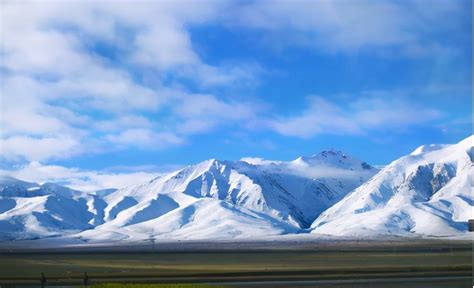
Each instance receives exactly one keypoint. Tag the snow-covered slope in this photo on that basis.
(206, 218)
(428, 192)
(29, 210)
(233, 199)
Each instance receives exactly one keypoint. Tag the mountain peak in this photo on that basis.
(8, 180)
(325, 154)
(427, 148)
(331, 153)
(333, 158)
(212, 163)
(469, 141)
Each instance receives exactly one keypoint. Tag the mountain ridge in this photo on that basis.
(425, 193)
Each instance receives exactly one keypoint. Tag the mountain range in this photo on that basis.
(427, 193)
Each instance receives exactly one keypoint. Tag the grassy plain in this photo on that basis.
(161, 267)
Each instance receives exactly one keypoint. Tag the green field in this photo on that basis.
(234, 266)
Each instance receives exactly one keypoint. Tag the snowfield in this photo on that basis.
(425, 194)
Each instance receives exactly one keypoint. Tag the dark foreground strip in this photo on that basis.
(385, 274)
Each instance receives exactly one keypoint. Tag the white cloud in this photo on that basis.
(320, 117)
(145, 138)
(323, 171)
(61, 95)
(164, 48)
(351, 26)
(302, 169)
(376, 112)
(22, 111)
(83, 180)
(32, 148)
(258, 161)
(361, 115)
(56, 86)
(241, 74)
(202, 113)
(122, 122)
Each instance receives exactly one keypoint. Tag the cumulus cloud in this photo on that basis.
(59, 90)
(117, 75)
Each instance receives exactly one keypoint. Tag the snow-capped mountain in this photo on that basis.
(212, 199)
(428, 193)
(224, 199)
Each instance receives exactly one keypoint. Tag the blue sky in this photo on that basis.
(109, 95)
